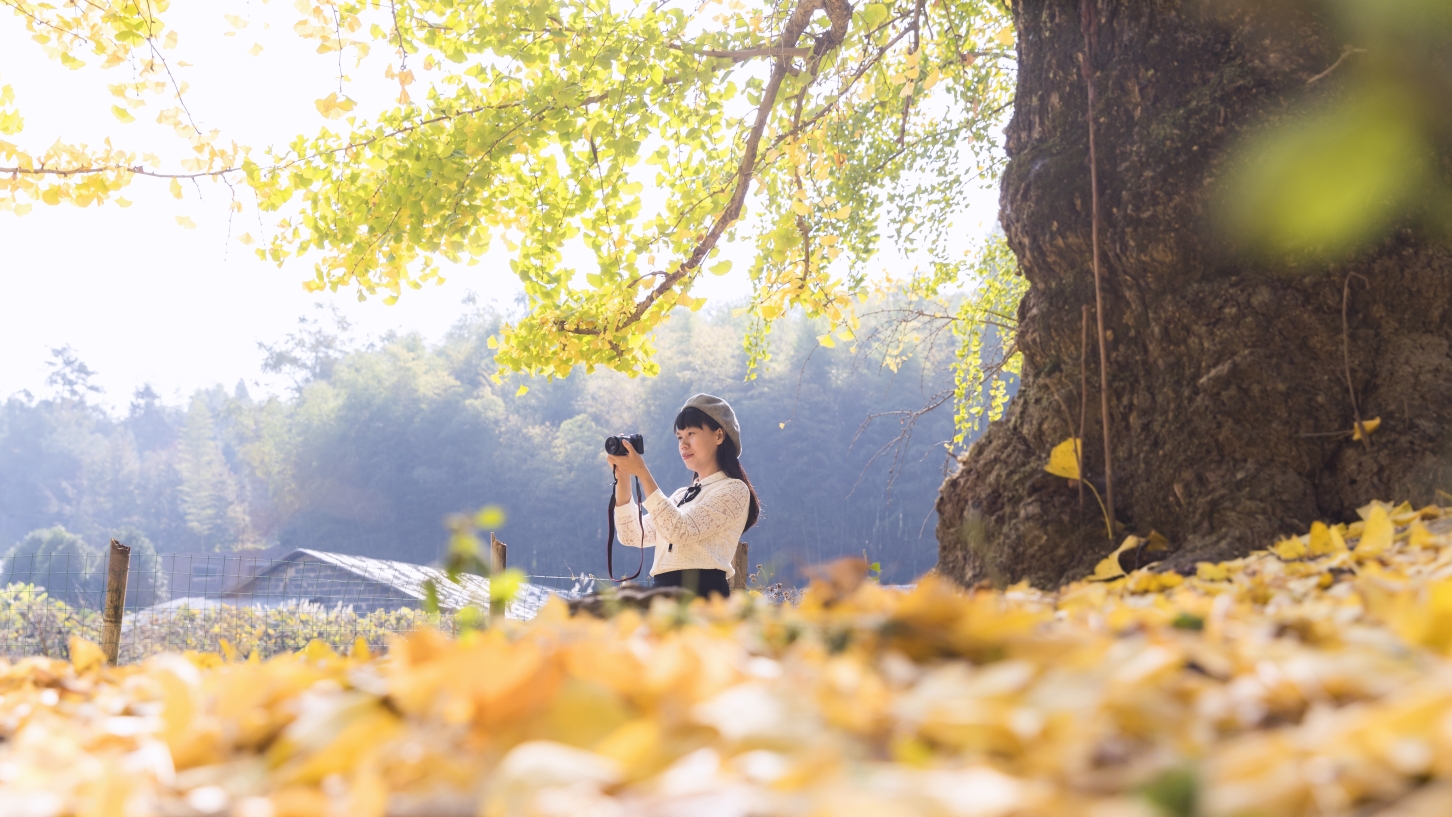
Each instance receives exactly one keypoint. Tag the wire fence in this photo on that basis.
(241, 605)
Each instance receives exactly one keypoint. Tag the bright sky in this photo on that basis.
(143, 300)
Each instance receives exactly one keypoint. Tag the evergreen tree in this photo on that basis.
(59, 561)
(208, 488)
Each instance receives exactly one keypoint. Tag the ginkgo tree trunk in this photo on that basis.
(1274, 272)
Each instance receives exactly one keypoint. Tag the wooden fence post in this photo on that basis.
(739, 563)
(118, 567)
(498, 558)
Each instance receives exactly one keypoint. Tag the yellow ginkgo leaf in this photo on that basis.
(1151, 582)
(1369, 426)
(1292, 548)
(85, 655)
(1108, 567)
(333, 106)
(1377, 535)
(186, 221)
(1419, 537)
(1321, 542)
(1338, 538)
(1064, 459)
(1212, 572)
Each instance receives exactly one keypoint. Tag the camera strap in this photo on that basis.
(610, 537)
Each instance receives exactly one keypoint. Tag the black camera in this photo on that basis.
(615, 446)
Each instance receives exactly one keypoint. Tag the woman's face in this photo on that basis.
(698, 448)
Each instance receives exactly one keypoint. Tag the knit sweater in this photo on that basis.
(701, 533)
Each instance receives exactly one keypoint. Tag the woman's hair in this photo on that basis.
(726, 457)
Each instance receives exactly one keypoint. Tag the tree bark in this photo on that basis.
(1221, 366)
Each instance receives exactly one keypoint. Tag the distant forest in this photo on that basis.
(379, 440)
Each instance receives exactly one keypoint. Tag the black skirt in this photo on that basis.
(700, 582)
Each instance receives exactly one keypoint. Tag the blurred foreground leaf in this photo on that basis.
(1263, 685)
(1332, 180)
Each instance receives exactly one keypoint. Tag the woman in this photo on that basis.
(696, 530)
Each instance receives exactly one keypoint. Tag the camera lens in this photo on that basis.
(615, 446)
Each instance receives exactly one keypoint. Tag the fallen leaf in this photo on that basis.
(1377, 535)
(1370, 426)
(1109, 567)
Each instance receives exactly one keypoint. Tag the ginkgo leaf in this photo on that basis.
(490, 517)
(1369, 426)
(1290, 549)
(85, 655)
(1109, 567)
(1338, 538)
(1064, 459)
(1376, 535)
(523, 390)
(186, 221)
(122, 114)
(334, 106)
(1419, 537)
(1212, 572)
(176, 188)
(255, 49)
(1321, 542)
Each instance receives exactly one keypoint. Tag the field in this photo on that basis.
(1311, 678)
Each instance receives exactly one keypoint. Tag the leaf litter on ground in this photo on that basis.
(1312, 678)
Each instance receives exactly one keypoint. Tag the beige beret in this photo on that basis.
(720, 411)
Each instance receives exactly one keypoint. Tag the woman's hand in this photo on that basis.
(629, 464)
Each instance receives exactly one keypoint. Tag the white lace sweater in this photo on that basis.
(700, 534)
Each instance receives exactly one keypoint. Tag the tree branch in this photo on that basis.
(744, 54)
(840, 14)
(141, 171)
